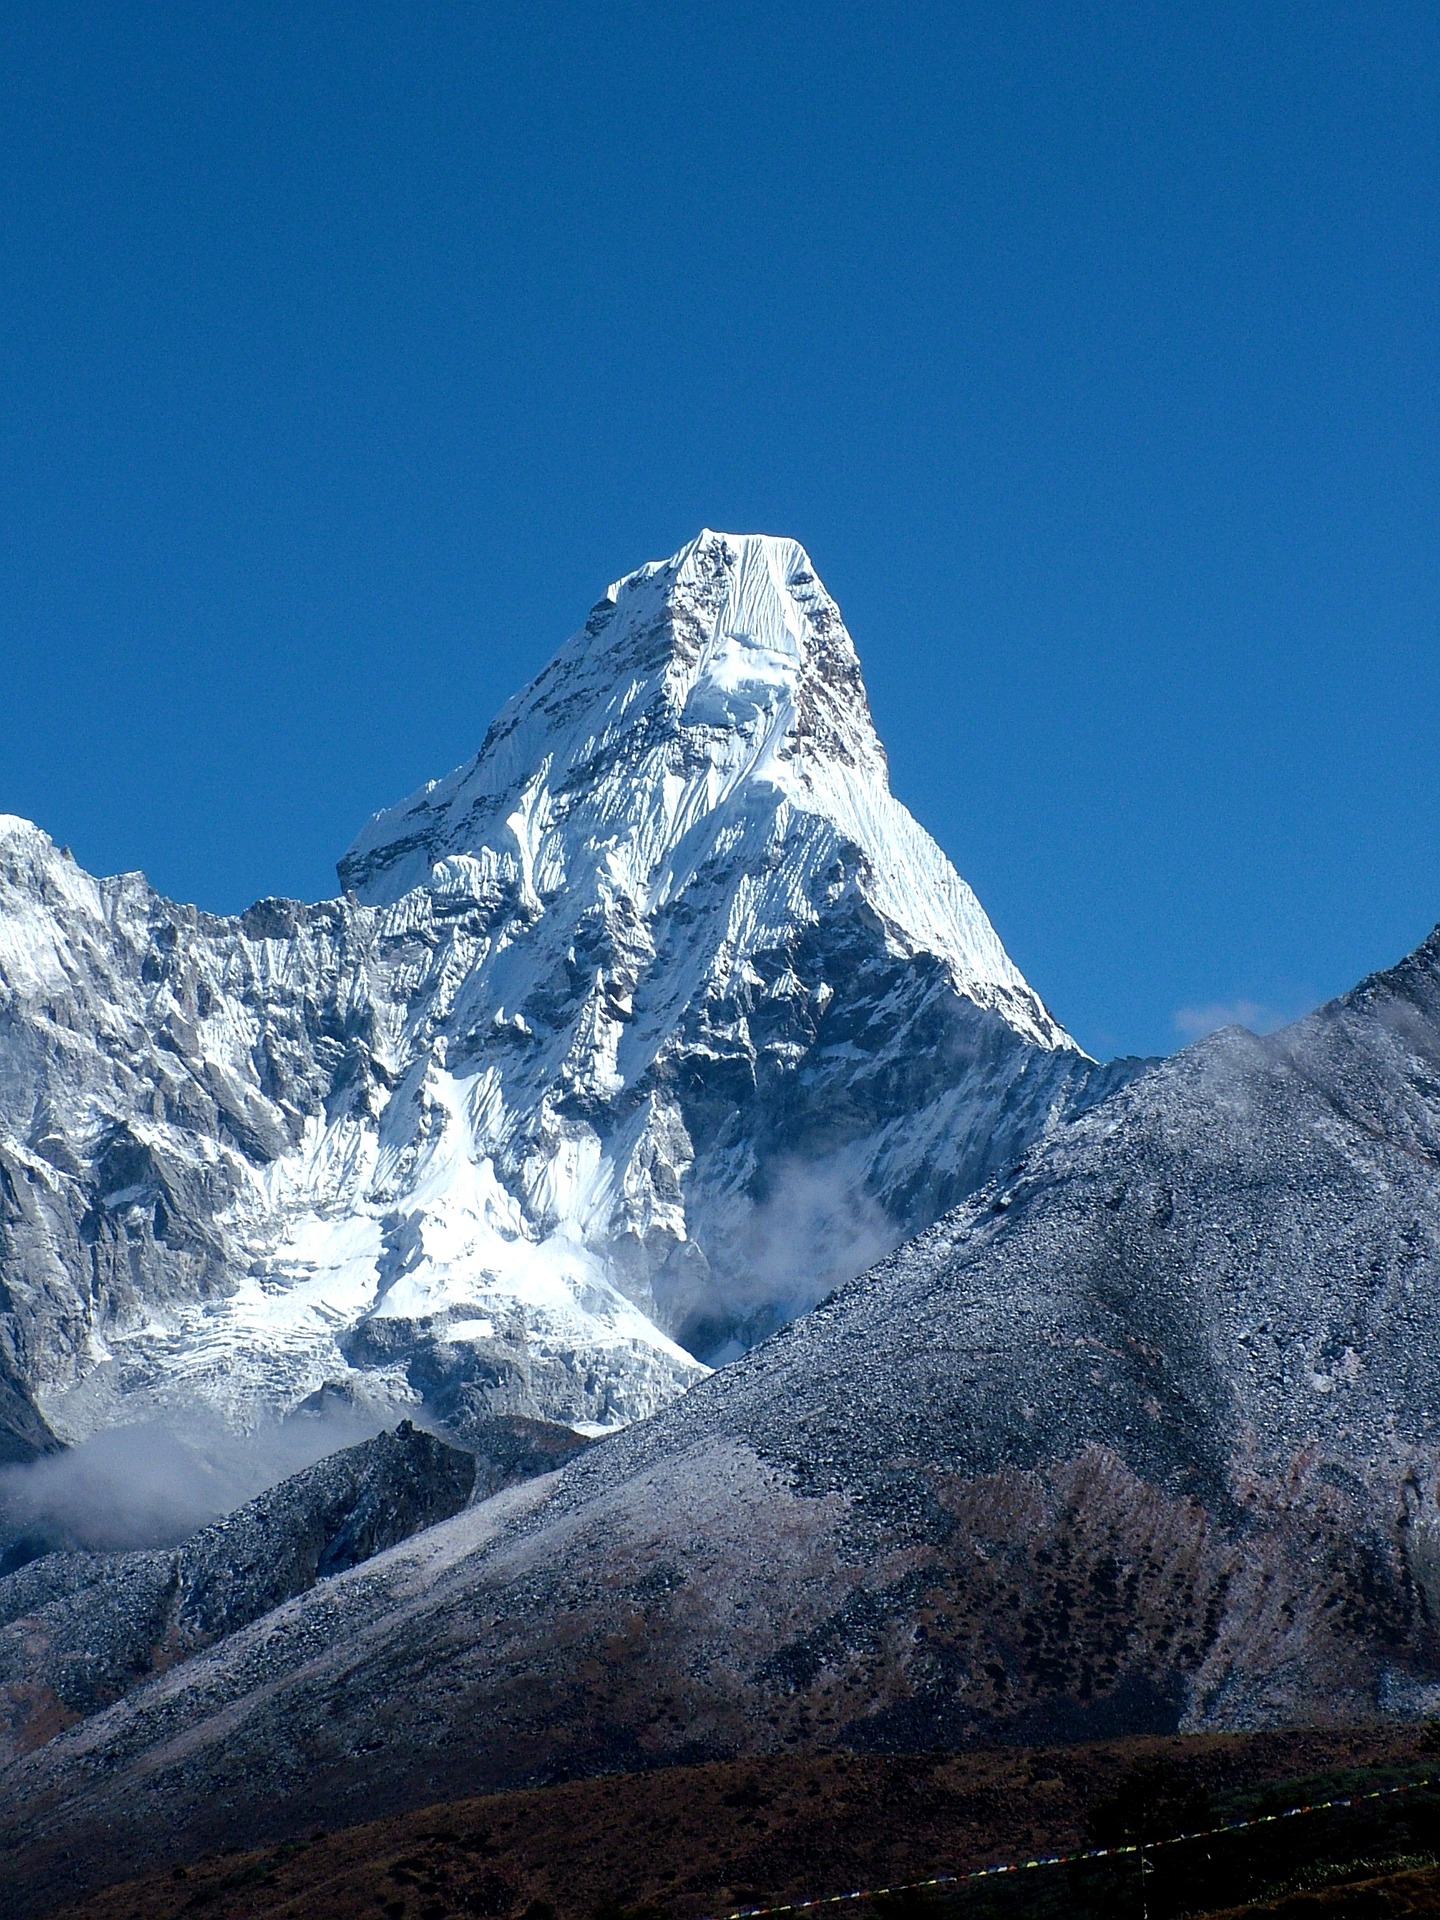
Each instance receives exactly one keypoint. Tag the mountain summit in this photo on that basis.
(711, 710)
(628, 1040)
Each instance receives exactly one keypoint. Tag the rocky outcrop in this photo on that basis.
(510, 1448)
(79, 1630)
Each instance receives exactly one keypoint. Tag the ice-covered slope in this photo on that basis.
(220, 1142)
(628, 1040)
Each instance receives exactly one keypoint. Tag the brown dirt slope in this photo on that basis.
(1377, 1898)
(692, 1841)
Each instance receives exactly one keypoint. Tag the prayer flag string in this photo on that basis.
(1068, 1859)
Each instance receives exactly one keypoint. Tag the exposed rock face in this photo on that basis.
(79, 1630)
(509, 1448)
(1145, 1437)
(628, 1040)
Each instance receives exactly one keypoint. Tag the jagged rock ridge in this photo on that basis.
(78, 1630)
(627, 1040)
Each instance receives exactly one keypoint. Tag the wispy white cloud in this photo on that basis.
(1193, 1023)
(151, 1485)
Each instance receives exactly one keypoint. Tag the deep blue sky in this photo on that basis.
(347, 352)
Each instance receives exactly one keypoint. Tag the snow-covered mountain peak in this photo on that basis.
(709, 718)
(723, 667)
(752, 630)
(632, 1037)
(22, 842)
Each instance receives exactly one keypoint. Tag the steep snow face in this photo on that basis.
(707, 922)
(629, 1039)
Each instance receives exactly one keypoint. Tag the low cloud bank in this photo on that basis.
(815, 1228)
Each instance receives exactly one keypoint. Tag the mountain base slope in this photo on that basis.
(694, 1841)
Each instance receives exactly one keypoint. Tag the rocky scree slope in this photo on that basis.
(1143, 1438)
(626, 1041)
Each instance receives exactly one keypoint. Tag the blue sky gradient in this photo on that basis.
(346, 354)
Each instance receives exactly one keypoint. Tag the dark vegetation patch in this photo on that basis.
(687, 1842)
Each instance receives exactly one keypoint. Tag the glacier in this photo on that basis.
(626, 1042)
